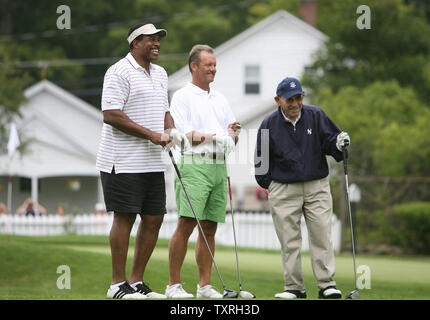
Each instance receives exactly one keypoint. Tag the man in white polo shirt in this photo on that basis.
(136, 115)
(204, 115)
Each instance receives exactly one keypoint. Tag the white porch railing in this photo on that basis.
(252, 230)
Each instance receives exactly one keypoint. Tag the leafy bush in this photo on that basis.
(368, 230)
(408, 225)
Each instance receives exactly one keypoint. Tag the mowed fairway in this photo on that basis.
(28, 270)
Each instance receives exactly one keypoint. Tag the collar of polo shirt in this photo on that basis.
(136, 65)
(199, 90)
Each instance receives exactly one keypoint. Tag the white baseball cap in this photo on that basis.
(146, 30)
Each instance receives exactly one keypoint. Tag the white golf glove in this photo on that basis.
(342, 140)
(224, 144)
(180, 140)
(234, 132)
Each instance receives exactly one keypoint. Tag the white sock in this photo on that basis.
(133, 285)
(198, 286)
(116, 285)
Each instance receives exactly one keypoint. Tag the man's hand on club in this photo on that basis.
(234, 129)
(161, 139)
(224, 144)
(178, 139)
(342, 140)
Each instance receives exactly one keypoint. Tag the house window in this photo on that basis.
(252, 79)
(25, 185)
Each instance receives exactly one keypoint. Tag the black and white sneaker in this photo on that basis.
(291, 294)
(142, 288)
(124, 291)
(330, 293)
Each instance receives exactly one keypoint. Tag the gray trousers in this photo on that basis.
(288, 202)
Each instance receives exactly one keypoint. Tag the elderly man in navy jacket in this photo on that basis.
(290, 161)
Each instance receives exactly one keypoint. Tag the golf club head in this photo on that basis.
(229, 294)
(353, 295)
(246, 294)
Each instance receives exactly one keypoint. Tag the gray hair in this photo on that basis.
(194, 55)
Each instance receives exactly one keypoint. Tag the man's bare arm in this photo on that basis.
(119, 120)
(197, 138)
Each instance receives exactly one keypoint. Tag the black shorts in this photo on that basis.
(134, 192)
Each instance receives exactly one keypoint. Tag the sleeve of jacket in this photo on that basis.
(262, 156)
(328, 133)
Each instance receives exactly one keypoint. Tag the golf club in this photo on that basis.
(228, 294)
(353, 294)
(242, 293)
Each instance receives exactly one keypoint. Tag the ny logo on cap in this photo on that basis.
(292, 85)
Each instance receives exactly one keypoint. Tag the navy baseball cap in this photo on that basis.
(289, 87)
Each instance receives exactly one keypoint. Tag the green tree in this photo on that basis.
(12, 87)
(387, 124)
(260, 10)
(396, 47)
(99, 30)
(404, 149)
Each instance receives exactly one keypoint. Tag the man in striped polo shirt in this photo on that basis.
(137, 125)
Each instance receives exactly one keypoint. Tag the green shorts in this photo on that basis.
(206, 184)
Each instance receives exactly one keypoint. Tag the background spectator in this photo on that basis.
(31, 208)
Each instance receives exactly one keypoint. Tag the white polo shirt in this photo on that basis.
(143, 98)
(195, 109)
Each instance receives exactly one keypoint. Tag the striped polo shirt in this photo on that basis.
(143, 98)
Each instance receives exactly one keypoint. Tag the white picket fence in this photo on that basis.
(253, 230)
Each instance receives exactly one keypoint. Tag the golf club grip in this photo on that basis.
(345, 167)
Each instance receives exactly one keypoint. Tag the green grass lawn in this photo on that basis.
(28, 270)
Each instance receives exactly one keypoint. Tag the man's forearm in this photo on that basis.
(122, 122)
(169, 123)
(197, 138)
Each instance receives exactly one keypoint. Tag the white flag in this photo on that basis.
(13, 140)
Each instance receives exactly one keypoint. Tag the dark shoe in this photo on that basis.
(330, 293)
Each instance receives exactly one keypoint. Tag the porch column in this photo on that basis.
(35, 188)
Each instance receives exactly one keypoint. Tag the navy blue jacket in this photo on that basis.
(287, 154)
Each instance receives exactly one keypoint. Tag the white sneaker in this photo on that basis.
(291, 294)
(124, 291)
(155, 295)
(208, 292)
(176, 291)
(142, 288)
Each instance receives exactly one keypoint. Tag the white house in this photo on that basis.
(61, 134)
(249, 68)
